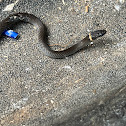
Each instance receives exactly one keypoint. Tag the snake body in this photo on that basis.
(32, 19)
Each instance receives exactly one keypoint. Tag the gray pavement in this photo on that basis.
(39, 91)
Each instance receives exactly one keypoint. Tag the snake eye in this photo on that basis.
(11, 18)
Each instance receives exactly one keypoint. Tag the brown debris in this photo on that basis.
(87, 8)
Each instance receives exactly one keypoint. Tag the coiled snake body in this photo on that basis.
(30, 18)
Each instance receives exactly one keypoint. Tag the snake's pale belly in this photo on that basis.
(30, 18)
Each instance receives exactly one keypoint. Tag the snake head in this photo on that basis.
(95, 34)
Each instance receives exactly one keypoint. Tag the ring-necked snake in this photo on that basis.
(30, 18)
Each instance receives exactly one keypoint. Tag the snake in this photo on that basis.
(13, 19)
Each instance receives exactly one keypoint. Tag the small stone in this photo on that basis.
(117, 7)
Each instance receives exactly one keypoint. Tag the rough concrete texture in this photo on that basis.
(111, 112)
(39, 91)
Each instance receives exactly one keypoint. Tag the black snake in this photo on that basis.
(30, 18)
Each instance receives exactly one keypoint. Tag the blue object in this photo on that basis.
(10, 33)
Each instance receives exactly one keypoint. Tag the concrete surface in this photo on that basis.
(38, 91)
(111, 112)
